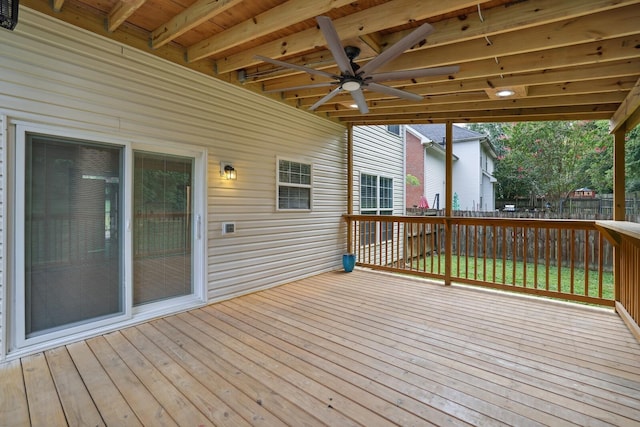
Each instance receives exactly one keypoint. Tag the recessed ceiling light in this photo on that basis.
(353, 105)
(505, 92)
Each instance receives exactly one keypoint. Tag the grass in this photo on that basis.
(472, 268)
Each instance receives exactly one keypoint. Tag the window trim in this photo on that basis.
(293, 185)
(378, 209)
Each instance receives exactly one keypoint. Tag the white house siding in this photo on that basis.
(3, 228)
(378, 152)
(434, 176)
(55, 74)
(467, 176)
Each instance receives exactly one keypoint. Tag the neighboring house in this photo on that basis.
(473, 165)
(114, 204)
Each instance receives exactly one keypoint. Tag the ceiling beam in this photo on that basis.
(598, 86)
(122, 10)
(484, 119)
(57, 5)
(629, 107)
(548, 101)
(390, 14)
(189, 18)
(603, 111)
(498, 20)
(267, 22)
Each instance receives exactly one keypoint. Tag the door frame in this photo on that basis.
(17, 343)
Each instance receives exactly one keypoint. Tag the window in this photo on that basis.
(294, 185)
(376, 198)
(394, 129)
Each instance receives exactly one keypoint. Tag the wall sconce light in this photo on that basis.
(227, 170)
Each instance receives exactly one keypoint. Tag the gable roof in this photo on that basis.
(438, 132)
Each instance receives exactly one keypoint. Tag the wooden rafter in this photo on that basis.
(629, 108)
(268, 22)
(191, 17)
(121, 11)
(365, 22)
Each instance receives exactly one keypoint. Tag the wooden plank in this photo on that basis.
(14, 410)
(112, 406)
(203, 399)
(122, 10)
(194, 15)
(79, 408)
(629, 107)
(332, 379)
(263, 388)
(148, 410)
(224, 381)
(540, 363)
(290, 383)
(45, 408)
(494, 404)
(172, 401)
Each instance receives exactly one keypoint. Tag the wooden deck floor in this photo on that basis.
(342, 349)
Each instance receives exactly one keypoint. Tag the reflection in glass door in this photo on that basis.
(72, 245)
(162, 227)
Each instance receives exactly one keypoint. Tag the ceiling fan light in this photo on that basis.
(351, 85)
(503, 93)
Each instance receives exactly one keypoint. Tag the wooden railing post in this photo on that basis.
(448, 208)
(619, 194)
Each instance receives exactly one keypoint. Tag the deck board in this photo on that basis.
(338, 349)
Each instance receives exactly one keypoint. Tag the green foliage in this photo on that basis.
(550, 159)
(412, 180)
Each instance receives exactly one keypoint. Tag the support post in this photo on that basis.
(448, 206)
(349, 185)
(619, 202)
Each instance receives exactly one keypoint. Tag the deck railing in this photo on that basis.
(626, 239)
(564, 259)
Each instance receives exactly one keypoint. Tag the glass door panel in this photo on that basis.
(73, 252)
(162, 227)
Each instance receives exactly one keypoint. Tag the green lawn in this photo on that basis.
(475, 269)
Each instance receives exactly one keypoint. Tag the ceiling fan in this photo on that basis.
(354, 78)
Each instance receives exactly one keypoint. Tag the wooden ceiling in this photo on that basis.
(565, 59)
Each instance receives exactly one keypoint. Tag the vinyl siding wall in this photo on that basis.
(54, 74)
(378, 152)
(434, 177)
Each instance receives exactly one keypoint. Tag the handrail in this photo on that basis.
(567, 259)
(625, 236)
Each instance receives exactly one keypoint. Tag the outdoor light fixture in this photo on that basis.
(8, 14)
(227, 170)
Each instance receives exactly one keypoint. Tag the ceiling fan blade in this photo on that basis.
(412, 74)
(326, 98)
(393, 92)
(358, 96)
(333, 43)
(397, 49)
(297, 67)
(311, 86)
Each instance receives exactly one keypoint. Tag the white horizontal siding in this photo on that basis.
(55, 74)
(378, 152)
(3, 236)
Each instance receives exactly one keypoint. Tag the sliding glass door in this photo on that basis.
(104, 233)
(163, 227)
(73, 250)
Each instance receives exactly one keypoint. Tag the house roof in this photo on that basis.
(437, 133)
(564, 59)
